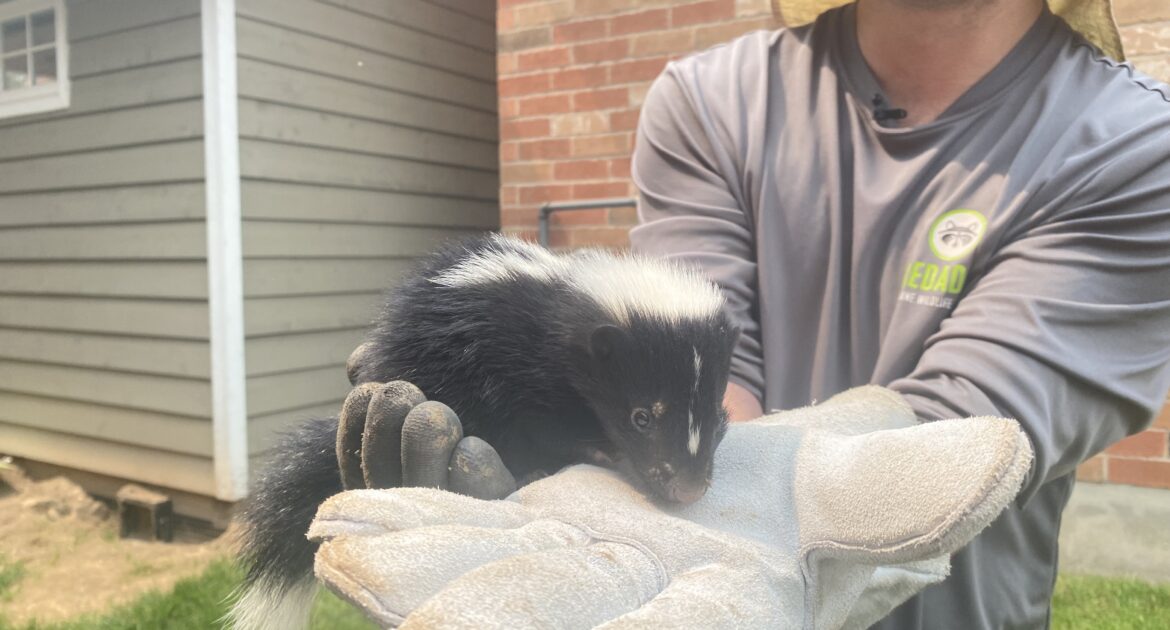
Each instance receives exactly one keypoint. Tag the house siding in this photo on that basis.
(368, 134)
(103, 287)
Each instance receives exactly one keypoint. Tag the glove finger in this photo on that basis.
(382, 437)
(373, 512)
(356, 361)
(390, 575)
(720, 596)
(350, 426)
(476, 470)
(561, 588)
(429, 435)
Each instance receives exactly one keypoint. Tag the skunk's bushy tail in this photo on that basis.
(278, 589)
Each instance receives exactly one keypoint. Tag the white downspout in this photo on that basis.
(221, 143)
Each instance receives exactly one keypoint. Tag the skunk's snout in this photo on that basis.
(681, 491)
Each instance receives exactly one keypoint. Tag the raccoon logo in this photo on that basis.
(956, 233)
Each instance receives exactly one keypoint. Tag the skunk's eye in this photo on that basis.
(641, 419)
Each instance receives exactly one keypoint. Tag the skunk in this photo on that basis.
(551, 359)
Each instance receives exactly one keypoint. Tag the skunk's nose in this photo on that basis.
(683, 492)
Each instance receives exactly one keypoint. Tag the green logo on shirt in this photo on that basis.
(956, 233)
(952, 237)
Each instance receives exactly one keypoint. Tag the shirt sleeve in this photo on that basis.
(1067, 329)
(690, 209)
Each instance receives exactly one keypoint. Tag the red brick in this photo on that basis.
(619, 168)
(601, 7)
(672, 41)
(541, 14)
(505, 19)
(592, 216)
(509, 152)
(526, 172)
(526, 234)
(509, 195)
(607, 50)
(524, 84)
(580, 31)
(617, 238)
(708, 36)
(505, 63)
(624, 120)
(580, 124)
(541, 194)
(577, 78)
(519, 216)
(545, 104)
(637, 69)
(558, 238)
(702, 12)
(545, 149)
(1132, 11)
(509, 108)
(1092, 470)
(606, 144)
(1163, 419)
(1151, 473)
(605, 190)
(542, 59)
(623, 216)
(640, 22)
(593, 100)
(1146, 444)
(524, 128)
(524, 39)
(581, 169)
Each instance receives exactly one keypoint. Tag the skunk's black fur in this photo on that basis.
(532, 364)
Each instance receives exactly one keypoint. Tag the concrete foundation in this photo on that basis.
(1118, 531)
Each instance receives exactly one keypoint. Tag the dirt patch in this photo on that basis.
(61, 548)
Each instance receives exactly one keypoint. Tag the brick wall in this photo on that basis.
(572, 77)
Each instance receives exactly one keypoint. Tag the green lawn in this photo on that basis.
(197, 603)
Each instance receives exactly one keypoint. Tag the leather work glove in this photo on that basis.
(390, 436)
(823, 517)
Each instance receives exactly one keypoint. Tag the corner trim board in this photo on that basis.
(224, 249)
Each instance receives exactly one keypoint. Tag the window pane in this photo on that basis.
(45, 66)
(15, 72)
(42, 28)
(13, 36)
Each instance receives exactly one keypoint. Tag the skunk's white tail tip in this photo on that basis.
(264, 605)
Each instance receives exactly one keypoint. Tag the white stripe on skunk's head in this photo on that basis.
(637, 286)
(506, 258)
(623, 285)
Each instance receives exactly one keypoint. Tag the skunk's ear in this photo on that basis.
(605, 340)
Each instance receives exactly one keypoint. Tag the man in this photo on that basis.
(961, 199)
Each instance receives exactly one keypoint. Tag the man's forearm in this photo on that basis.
(741, 404)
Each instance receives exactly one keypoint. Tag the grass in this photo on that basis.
(10, 575)
(1080, 603)
(197, 603)
(1086, 602)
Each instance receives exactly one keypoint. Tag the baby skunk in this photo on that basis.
(553, 360)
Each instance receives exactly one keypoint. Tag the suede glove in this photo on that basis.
(822, 517)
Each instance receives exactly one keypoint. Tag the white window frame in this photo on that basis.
(39, 98)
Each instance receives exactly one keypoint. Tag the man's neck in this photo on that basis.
(927, 53)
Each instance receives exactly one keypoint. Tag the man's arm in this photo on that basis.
(1067, 328)
(689, 212)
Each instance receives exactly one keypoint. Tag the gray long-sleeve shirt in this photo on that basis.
(1011, 258)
